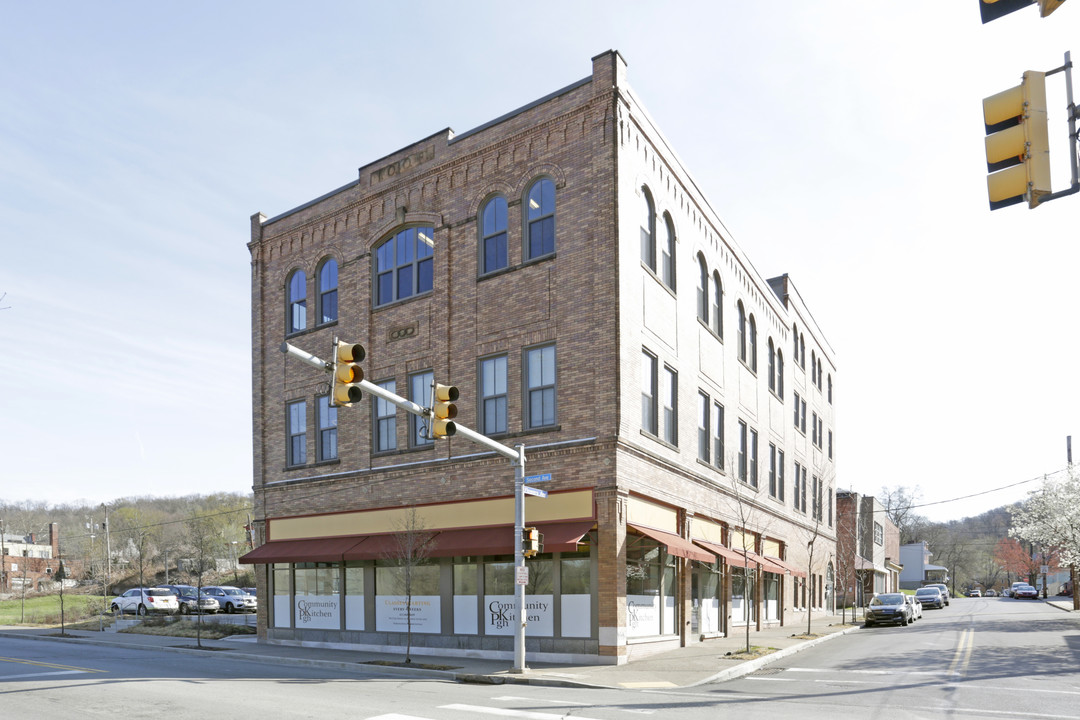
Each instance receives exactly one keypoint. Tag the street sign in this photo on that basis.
(534, 491)
(521, 575)
(546, 477)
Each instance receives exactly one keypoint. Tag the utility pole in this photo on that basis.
(3, 554)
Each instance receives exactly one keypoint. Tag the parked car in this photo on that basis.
(1025, 591)
(944, 590)
(930, 596)
(888, 608)
(990, 593)
(143, 601)
(232, 599)
(1012, 588)
(916, 607)
(974, 592)
(250, 591)
(191, 602)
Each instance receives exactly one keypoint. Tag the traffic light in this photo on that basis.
(347, 373)
(532, 542)
(443, 411)
(993, 9)
(1018, 143)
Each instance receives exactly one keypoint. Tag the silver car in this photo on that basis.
(232, 599)
(916, 607)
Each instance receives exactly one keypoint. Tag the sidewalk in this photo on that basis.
(700, 663)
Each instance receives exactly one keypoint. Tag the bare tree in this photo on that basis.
(748, 516)
(412, 548)
(899, 502)
(202, 541)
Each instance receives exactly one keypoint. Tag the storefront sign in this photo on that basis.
(392, 613)
(642, 615)
(318, 611)
(500, 615)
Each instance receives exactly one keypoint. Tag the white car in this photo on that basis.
(232, 599)
(144, 601)
(916, 607)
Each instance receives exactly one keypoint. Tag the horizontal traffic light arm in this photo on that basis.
(406, 405)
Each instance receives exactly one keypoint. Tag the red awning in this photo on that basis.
(675, 544)
(292, 551)
(733, 557)
(374, 547)
(787, 566)
(564, 536)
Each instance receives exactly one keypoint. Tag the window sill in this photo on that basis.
(659, 439)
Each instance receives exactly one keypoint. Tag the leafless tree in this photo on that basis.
(412, 548)
(899, 502)
(202, 543)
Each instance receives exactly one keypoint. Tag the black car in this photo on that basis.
(888, 608)
(190, 604)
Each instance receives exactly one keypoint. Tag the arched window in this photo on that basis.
(780, 374)
(772, 366)
(493, 235)
(541, 218)
(297, 319)
(703, 291)
(813, 367)
(717, 306)
(830, 388)
(742, 331)
(667, 254)
(648, 230)
(795, 341)
(328, 292)
(752, 342)
(802, 352)
(404, 265)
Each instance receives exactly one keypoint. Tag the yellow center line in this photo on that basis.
(962, 656)
(49, 665)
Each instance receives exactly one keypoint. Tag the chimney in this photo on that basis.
(54, 539)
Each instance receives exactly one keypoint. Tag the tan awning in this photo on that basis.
(675, 545)
(786, 566)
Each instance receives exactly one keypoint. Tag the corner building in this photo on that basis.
(559, 266)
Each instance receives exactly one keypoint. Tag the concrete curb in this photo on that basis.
(753, 665)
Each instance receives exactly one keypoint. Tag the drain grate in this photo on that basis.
(766, 671)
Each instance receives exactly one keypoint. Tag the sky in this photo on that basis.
(839, 142)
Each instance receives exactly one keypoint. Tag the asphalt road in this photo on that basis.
(991, 658)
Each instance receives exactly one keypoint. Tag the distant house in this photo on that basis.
(25, 562)
(918, 571)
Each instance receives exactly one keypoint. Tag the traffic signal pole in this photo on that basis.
(516, 455)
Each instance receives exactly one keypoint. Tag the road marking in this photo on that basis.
(507, 712)
(41, 674)
(963, 652)
(554, 701)
(35, 663)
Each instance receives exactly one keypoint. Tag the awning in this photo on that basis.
(558, 537)
(733, 557)
(292, 551)
(787, 566)
(675, 544)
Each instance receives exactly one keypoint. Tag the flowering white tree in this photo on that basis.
(1051, 517)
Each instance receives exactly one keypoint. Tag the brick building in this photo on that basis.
(560, 266)
(867, 548)
(26, 562)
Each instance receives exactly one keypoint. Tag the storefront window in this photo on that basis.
(576, 598)
(500, 603)
(670, 591)
(354, 596)
(742, 596)
(643, 579)
(466, 597)
(282, 595)
(394, 611)
(706, 597)
(317, 598)
(772, 596)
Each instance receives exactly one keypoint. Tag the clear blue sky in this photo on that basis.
(841, 142)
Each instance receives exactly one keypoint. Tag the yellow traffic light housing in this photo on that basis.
(443, 411)
(347, 373)
(1018, 143)
(532, 542)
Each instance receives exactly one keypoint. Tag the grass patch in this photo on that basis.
(755, 651)
(45, 609)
